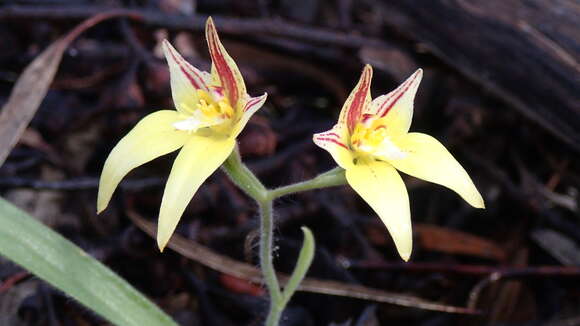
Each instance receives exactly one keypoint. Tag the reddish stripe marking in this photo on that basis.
(186, 65)
(329, 135)
(200, 79)
(191, 80)
(194, 71)
(366, 117)
(332, 141)
(355, 108)
(179, 63)
(387, 99)
(224, 72)
(189, 67)
(250, 103)
(392, 104)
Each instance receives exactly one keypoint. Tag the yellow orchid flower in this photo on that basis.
(210, 111)
(371, 142)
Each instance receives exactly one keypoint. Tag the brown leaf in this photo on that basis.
(456, 242)
(239, 285)
(31, 87)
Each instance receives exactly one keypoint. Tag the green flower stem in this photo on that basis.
(331, 178)
(267, 265)
(243, 177)
(248, 182)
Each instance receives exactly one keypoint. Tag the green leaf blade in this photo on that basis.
(48, 255)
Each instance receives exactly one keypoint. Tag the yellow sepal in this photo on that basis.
(196, 161)
(381, 186)
(429, 160)
(152, 137)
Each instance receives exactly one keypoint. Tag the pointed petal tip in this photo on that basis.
(358, 99)
(224, 67)
(404, 249)
(209, 22)
(161, 244)
(164, 232)
(262, 99)
(168, 50)
(367, 72)
(418, 75)
(166, 46)
(256, 99)
(171, 54)
(101, 204)
(210, 27)
(478, 202)
(473, 197)
(162, 238)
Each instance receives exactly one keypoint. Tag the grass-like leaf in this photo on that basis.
(48, 255)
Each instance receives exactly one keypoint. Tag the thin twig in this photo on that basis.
(77, 184)
(226, 265)
(474, 270)
(234, 26)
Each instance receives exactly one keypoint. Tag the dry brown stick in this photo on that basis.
(226, 265)
(550, 116)
(475, 270)
(78, 183)
(480, 286)
(262, 27)
(33, 83)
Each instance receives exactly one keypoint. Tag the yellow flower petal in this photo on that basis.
(357, 101)
(335, 142)
(196, 161)
(397, 107)
(152, 137)
(382, 188)
(224, 69)
(185, 79)
(429, 160)
(252, 105)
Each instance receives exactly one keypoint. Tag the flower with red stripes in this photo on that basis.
(211, 109)
(371, 142)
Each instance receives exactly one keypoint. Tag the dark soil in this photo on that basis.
(501, 100)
